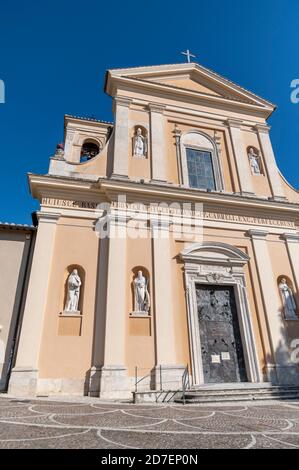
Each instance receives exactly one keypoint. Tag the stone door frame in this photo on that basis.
(212, 263)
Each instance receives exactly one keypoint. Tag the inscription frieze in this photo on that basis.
(171, 212)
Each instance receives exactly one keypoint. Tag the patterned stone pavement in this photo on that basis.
(52, 424)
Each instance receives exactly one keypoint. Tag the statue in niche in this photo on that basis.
(142, 298)
(288, 300)
(73, 292)
(254, 161)
(139, 144)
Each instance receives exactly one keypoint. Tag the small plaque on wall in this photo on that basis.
(225, 356)
(215, 358)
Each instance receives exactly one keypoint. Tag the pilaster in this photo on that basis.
(24, 375)
(270, 163)
(113, 377)
(292, 244)
(163, 303)
(241, 157)
(158, 142)
(121, 137)
(280, 369)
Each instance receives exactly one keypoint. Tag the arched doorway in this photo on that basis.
(221, 335)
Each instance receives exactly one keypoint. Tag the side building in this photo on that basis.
(16, 249)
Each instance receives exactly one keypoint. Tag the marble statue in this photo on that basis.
(288, 300)
(254, 162)
(73, 292)
(142, 298)
(139, 144)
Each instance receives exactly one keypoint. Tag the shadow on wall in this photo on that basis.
(283, 365)
(92, 376)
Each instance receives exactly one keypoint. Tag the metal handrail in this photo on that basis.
(185, 383)
(185, 379)
(140, 380)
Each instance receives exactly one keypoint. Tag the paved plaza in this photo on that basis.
(92, 424)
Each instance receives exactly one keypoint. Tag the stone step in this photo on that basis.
(216, 396)
(241, 386)
(222, 393)
(237, 399)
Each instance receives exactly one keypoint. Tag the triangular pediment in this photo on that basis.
(185, 82)
(190, 78)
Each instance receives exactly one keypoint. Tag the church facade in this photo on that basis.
(167, 239)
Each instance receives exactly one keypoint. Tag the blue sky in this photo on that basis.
(53, 56)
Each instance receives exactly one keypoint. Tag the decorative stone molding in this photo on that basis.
(156, 108)
(218, 263)
(204, 254)
(121, 101)
(234, 123)
(290, 237)
(47, 217)
(257, 234)
(264, 128)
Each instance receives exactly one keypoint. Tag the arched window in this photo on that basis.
(200, 162)
(89, 150)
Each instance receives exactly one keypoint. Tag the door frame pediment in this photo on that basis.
(213, 263)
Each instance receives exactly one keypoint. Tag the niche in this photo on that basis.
(70, 318)
(139, 142)
(286, 291)
(255, 161)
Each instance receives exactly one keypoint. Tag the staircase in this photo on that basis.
(225, 393)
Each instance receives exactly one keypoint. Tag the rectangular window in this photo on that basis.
(200, 169)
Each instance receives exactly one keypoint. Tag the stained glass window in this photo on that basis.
(200, 169)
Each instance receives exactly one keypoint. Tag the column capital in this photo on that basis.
(291, 237)
(257, 234)
(156, 108)
(262, 128)
(234, 123)
(48, 217)
(122, 101)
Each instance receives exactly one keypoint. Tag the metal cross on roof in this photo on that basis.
(188, 54)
